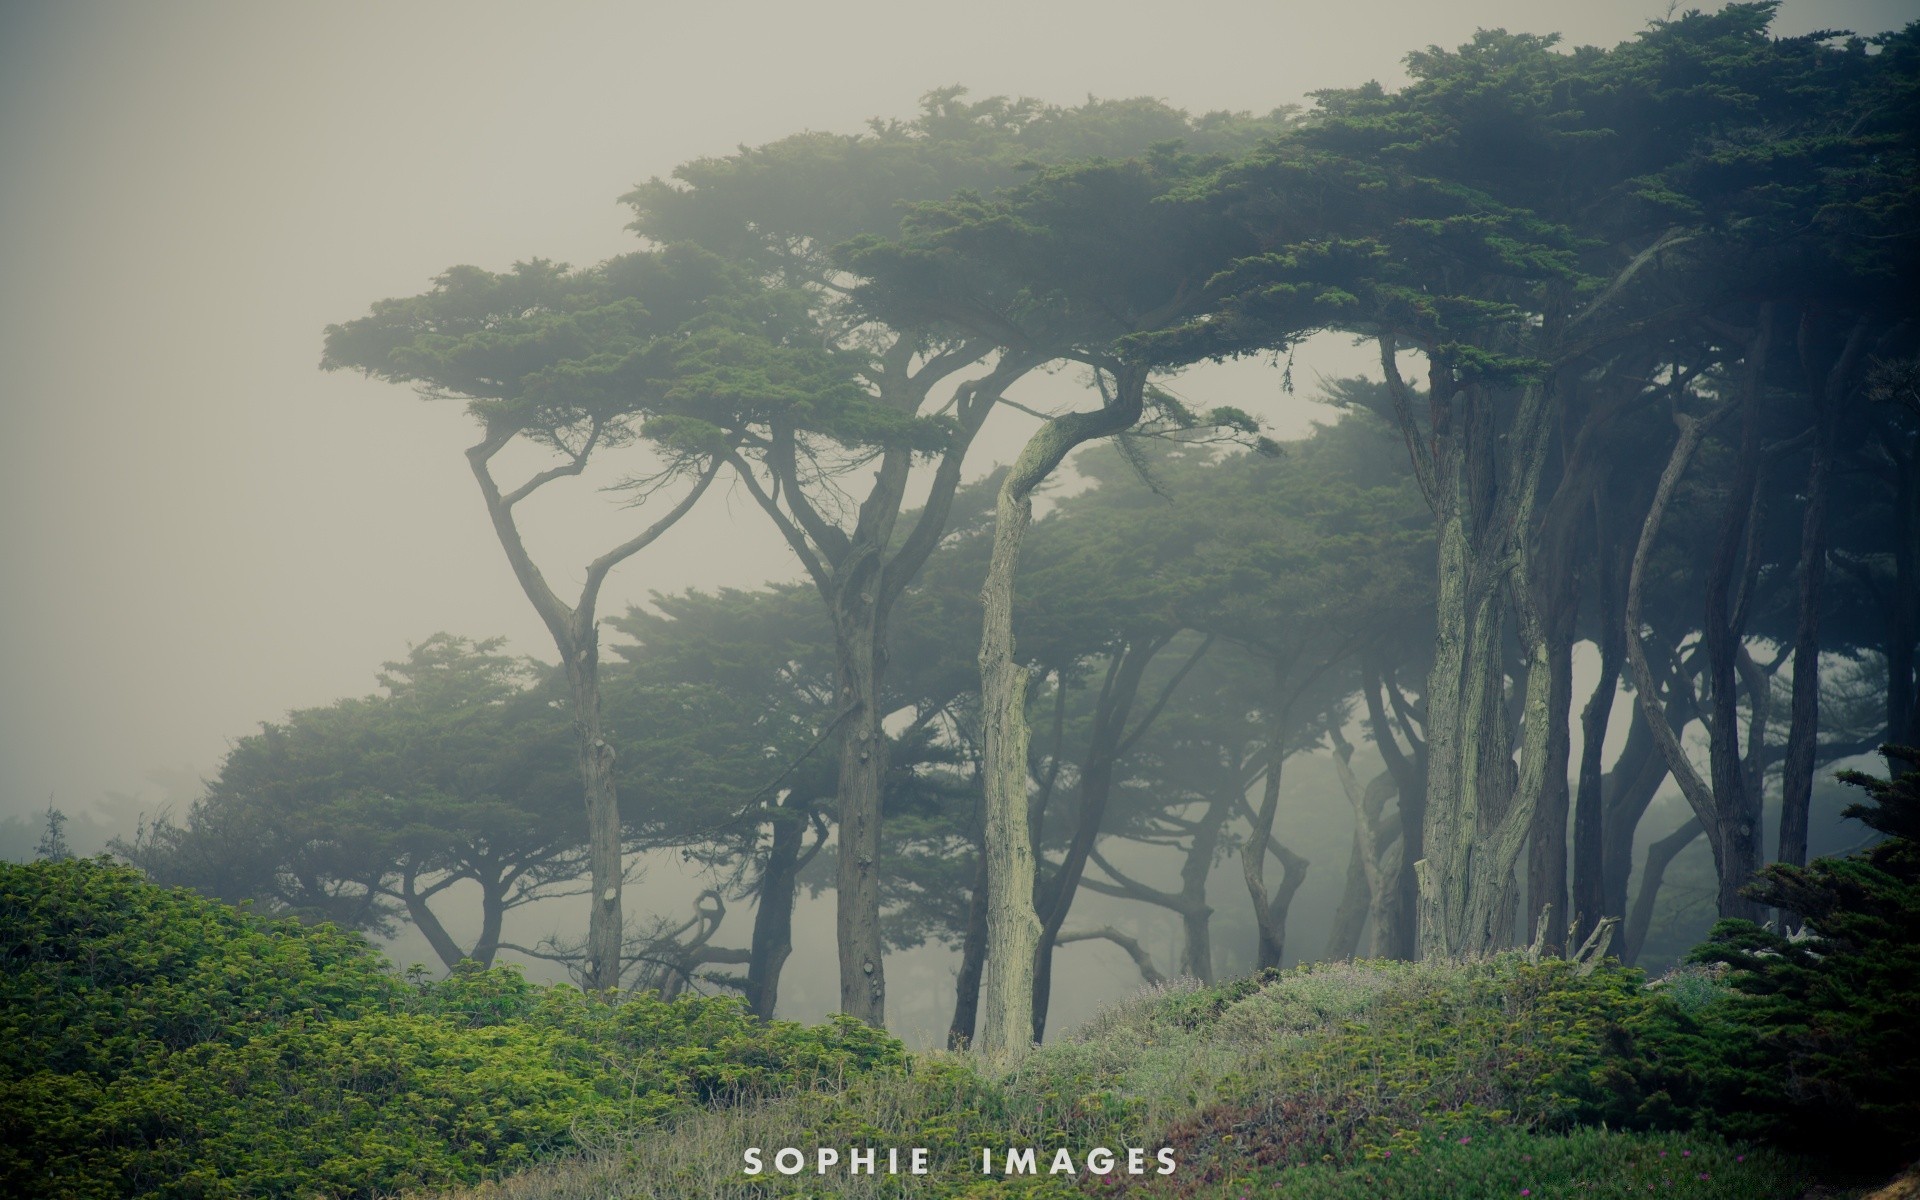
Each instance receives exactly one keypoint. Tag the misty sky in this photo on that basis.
(201, 531)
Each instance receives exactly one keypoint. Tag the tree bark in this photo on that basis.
(1013, 926)
(1479, 809)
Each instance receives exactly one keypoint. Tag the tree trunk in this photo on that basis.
(1396, 937)
(1803, 725)
(1196, 955)
(427, 921)
(1589, 903)
(1659, 856)
(1478, 819)
(863, 757)
(493, 911)
(1269, 943)
(1368, 899)
(1735, 835)
(1547, 857)
(860, 576)
(1350, 918)
(1270, 911)
(773, 915)
(1013, 926)
(606, 874)
(1803, 722)
(1479, 809)
(973, 961)
(1630, 788)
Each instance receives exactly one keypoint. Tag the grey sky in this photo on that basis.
(200, 531)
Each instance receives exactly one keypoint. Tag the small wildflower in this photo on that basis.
(1686, 1154)
(1526, 1191)
(1465, 1140)
(1739, 1158)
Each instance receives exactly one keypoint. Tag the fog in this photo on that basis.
(201, 531)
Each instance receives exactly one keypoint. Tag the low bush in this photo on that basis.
(155, 1043)
(1510, 1164)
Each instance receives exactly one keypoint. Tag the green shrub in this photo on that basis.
(156, 1043)
(1508, 1164)
(1815, 1044)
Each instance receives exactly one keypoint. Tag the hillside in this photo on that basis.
(1497, 1078)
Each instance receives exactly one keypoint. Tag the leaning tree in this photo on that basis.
(673, 346)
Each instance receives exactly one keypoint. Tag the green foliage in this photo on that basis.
(461, 770)
(1815, 1045)
(1502, 1042)
(1337, 1082)
(576, 359)
(1511, 1163)
(156, 1043)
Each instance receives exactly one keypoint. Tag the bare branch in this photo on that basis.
(597, 570)
(796, 539)
(575, 464)
(1134, 949)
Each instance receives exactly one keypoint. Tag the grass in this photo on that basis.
(1330, 1082)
